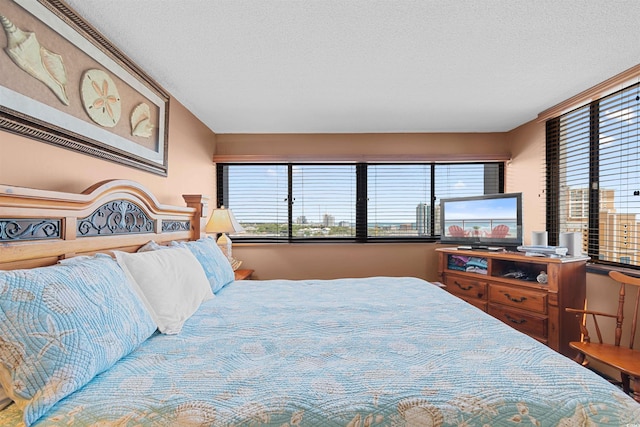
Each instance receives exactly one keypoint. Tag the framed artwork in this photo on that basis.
(63, 83)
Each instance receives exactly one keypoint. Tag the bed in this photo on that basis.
(378, 351)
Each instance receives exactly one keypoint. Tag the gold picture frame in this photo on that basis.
(52, 92)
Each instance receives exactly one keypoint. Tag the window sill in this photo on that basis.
(604, 269)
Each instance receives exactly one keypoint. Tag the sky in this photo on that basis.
(503, 208)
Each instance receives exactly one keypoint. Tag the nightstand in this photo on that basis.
(243, 274)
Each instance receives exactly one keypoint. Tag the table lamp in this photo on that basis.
(222, 221)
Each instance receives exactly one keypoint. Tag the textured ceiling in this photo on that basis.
(267, 66)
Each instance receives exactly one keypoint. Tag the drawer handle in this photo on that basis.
(521, 299)
(516, 321)
(461, 287)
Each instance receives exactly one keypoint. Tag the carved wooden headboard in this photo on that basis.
(39, 227)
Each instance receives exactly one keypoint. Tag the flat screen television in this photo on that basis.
(482, 221)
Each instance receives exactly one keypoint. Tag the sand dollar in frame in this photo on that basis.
(100, 98)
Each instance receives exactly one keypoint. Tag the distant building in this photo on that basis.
(423, 225)
(619, 233)
(406, 228)
(328, 220)
(302, 220)
(577, 203)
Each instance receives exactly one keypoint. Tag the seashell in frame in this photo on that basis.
(27, 53)
(141, 121)
(100, 98)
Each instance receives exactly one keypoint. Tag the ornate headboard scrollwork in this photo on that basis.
(38, 227)
(29, 229)
(116, 217)
(175, 226)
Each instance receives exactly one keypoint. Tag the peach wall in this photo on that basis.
(29, 163)
(525, 173)
(335, 260)
(391, 146)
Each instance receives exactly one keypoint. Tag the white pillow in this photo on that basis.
(151, 245)
(171, 283)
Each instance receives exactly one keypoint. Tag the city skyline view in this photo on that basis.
(259, 194)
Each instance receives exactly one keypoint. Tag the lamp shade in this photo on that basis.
(223, 221)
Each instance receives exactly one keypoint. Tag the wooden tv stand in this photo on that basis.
(510, 292)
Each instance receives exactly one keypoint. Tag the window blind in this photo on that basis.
(324, 201)
(399, 200)
(258, 198)
(619, 177)
(352, 201)
(593, 177)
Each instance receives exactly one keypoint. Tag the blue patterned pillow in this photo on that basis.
(216, 266)
(62, 325)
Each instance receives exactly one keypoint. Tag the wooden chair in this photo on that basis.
(624, 359)
(499, 231)
(457, 231)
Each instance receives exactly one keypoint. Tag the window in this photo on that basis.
(593, 177)
(258, 197)
(399, 200)
(356, 202)
(324, 201)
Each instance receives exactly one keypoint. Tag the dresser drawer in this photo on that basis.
(516, 297)
(529, 323)
(466, 287)
(479, 303)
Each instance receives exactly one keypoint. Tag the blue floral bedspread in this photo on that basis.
(349, 352)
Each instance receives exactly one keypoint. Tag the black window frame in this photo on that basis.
(361, 209)
(554, 184)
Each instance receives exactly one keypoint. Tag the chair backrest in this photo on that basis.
(456, 231)
(625, 280)
(500, 231)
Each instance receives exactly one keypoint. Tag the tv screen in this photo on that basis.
(488, 220)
